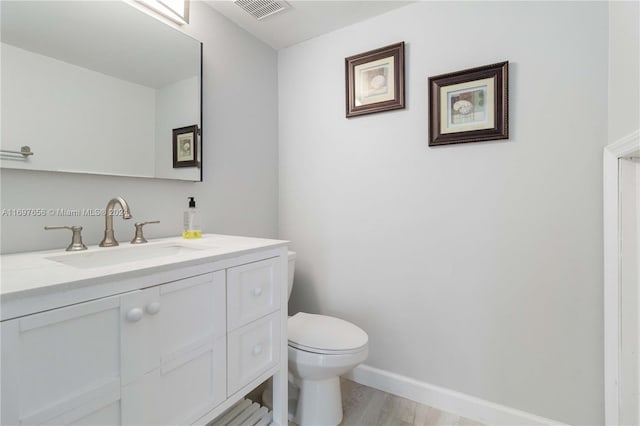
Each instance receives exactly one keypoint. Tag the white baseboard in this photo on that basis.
(444, 399)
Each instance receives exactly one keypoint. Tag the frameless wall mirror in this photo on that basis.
(98, 87)
(175, 10)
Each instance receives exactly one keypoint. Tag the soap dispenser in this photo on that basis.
(192, 227)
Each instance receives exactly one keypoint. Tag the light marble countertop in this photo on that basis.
(37, 272)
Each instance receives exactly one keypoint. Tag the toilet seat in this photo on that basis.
(321, 351)
(323, 334)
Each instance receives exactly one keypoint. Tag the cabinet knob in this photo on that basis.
(257, 350)
(135, 315)
(153, 308)
(257, 291)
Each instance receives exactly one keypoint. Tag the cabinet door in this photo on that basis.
(140, 333)
(63, 366)
(186, 378)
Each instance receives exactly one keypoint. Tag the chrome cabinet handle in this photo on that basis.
(257, 291)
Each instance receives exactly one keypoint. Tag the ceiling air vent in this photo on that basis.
(260, 9)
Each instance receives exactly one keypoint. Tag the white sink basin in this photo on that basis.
(99, 258)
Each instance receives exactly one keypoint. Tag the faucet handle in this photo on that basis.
(76, 238)
(139, 237)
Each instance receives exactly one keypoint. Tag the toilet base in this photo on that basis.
(319, 403)
(322, 405)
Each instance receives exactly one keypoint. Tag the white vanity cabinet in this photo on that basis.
(173, 344)
(253, 320)
(177, 350)
(154, 356)
(63, 366)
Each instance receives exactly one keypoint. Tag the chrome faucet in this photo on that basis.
(109, 240)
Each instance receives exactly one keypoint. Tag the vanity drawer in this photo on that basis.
(252, 350)
(253, 291)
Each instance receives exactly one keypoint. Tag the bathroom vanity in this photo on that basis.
(170, 332)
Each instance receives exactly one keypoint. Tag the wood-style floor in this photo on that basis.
(365, 406)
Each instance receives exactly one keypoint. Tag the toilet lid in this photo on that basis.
(324, 334)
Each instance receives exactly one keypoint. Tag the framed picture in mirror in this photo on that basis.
(185, 146)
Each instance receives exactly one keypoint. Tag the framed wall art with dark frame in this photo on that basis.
(470, 105)
(375, 80)
(185, 147)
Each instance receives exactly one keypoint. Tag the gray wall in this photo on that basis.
(624, 68)
(475, 267)
(239, 193)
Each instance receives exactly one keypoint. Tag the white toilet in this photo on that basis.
(321, 348)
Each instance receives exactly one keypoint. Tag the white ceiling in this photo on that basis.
(306, 19)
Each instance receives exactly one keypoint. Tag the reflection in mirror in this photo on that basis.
(96, 87)
(175, 10)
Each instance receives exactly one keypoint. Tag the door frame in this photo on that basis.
(611, 227)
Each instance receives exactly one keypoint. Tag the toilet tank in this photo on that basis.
(292, 264)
